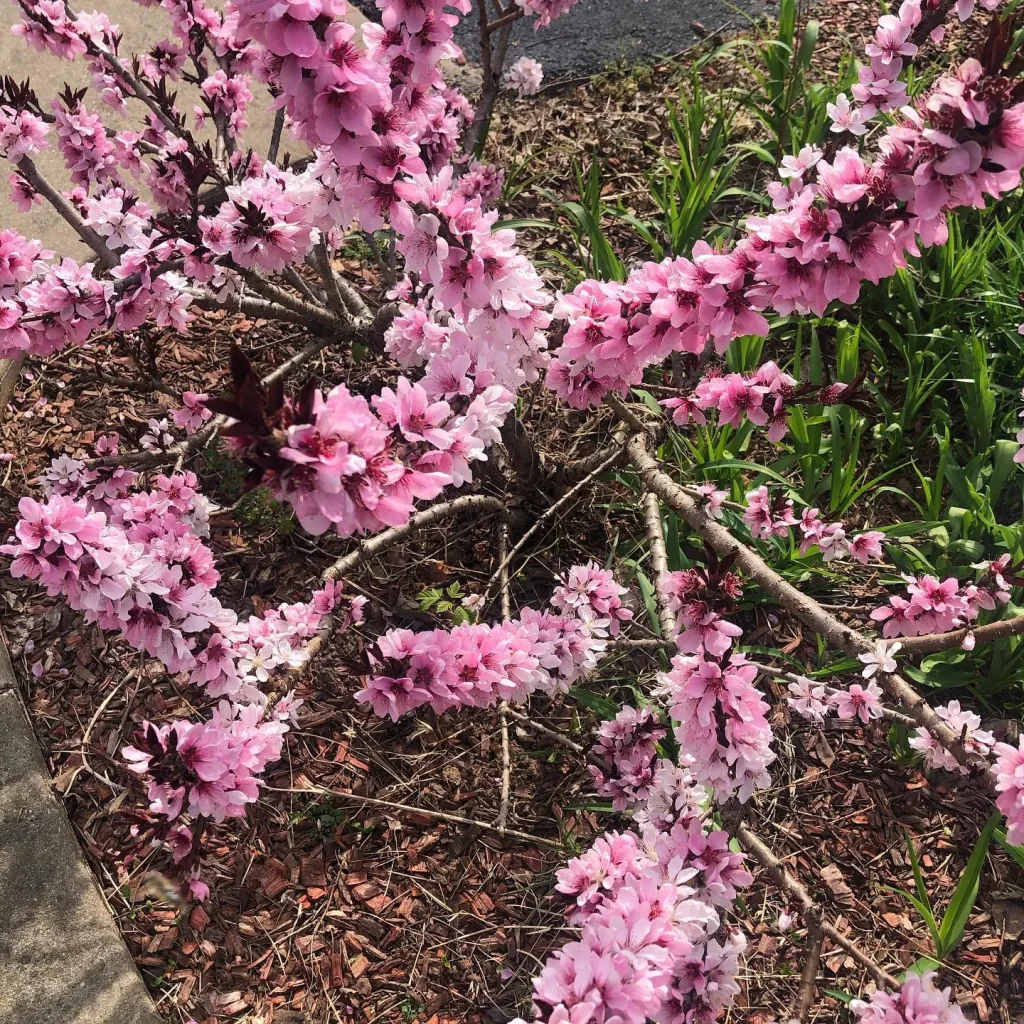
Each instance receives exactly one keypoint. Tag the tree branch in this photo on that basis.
(931, 643)
(809, 976)
(322, 261)
(381, 542)
(492, 583)
(809, 908)
(275, 136)
(804, 607)
(659, 562)
(55, 198)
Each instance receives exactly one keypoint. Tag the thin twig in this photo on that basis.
(381, 542)
(85, 766)
(506, 615)
(457, 819)
(275, 136)
(260, 309)
(552, 734)
(313, 311)
(810, 909)
(553, 510)
(146, 385)
(295, 279)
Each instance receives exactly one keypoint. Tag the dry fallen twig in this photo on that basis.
(457, 819)
(809, 908)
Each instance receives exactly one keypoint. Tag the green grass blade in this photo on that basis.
(954, 921)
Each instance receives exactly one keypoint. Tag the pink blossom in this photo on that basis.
(865, 546)
(524, 76)
(863, 702)
(966, 725)
(918, 1000)
(845, 116)
(193, 413)
(809, 699)
(1009, 772)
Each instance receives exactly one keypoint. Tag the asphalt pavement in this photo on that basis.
(598, 33)
(586, 40)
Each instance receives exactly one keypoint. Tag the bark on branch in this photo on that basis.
(803, 606)
(379, 543)
(659, 562)
(931, 643)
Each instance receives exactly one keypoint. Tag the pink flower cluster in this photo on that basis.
(762, 398)
(134, 564)
(342, 464)
(209, 768)
(476, 310)
(371, 108)
(768, 516)
(22, 133)
(699, 597)
(774, 517)
(524, 76)
(1009, 772)
(479, 665)
(261, 225)
(934, 606)
(546, 11)
(193, 412)
(226, 98)
(724, 737)
(44, 306)
(967, 725)
(831, 539)
(650, 945)
(591, 594)
(855, 222)
(627, 744)
(879, 86)
(917, 1002)
(672, 796)
(138, 568)
(483, 182)
(815, 700)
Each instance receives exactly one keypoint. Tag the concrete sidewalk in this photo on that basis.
(62, 959)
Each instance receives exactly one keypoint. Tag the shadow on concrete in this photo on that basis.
(62, 960)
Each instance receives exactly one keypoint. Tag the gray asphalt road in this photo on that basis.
(596, 33)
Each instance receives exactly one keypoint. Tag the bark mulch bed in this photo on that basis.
(326, 908)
